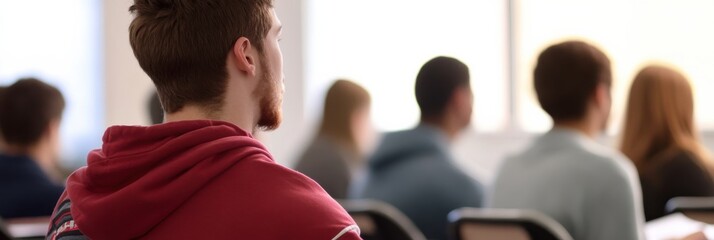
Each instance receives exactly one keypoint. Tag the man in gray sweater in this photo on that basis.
(592, 190)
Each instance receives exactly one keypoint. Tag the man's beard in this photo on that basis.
(270, 99)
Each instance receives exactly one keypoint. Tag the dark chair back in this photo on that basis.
(697, 208)
(504, 224)
(381, 221)
(4, 235)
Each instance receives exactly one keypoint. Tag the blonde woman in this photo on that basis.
(338, 149)
(661, 139)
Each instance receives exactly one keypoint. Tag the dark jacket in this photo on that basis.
(414, 171)
(673, 175)
(25, 190)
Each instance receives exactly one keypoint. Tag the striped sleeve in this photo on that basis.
(62, 226)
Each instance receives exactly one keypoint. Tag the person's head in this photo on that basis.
(443, 93)
(660, 116)
(572, 81)
(219, 56)
(31, 114)
(156, 112)
(346, 115)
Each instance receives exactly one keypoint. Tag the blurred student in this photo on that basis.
(336, 153)
(30, 115)
(217, 66)
(592, 190)
(661, 139)
(414, 169)
(154, 109)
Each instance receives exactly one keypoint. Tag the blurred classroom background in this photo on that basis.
(81, 46)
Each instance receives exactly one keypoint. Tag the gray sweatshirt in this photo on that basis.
(593, 191)
(414, 171)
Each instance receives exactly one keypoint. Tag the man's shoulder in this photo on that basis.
(299, 201)
(264, 178)
(585, 161)
(610, 161)
(265, 169)
(603, 167)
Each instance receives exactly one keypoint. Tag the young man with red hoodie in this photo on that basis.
(217, 67)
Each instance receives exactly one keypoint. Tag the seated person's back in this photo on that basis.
(590, 189)
(30, 113)
(336, 154)
(661, 139)
(210, 190)
(413, 170)
(217, 67)
(586, 187)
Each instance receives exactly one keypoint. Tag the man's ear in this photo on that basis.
(53, 129)
(244, 56)
(602, 95)
(462, 98)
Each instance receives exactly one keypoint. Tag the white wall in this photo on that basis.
(127, 87)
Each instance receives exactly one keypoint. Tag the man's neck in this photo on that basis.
(587, 128)
(243, 121)
(449, 131)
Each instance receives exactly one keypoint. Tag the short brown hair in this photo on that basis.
(567, 75)
(436, 83)
(183, 45)
(26, 109)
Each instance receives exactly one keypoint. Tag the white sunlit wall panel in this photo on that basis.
(59, 41)
(632, 33)
(382, 44)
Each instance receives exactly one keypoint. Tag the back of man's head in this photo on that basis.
(28, 107)
(566, 77)
(436, 84)
(183, 45)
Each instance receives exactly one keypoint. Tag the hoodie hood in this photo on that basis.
(405, 145)
(142, 174)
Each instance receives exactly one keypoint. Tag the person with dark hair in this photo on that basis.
(336, 153)
(156, 112)
(592, 190)
(30, 115)
(217, 67)
(414, 170)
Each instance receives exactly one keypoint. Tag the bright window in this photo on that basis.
(59, 41)
(382, 44)
(632, 33)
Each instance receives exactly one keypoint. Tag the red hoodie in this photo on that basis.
(193, 180)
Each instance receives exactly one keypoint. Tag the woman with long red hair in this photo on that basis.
(661, 139)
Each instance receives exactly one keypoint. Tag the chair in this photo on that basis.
(24, 228)
(4, 235)
(696, 208)
(504, 224)
(379, 220)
